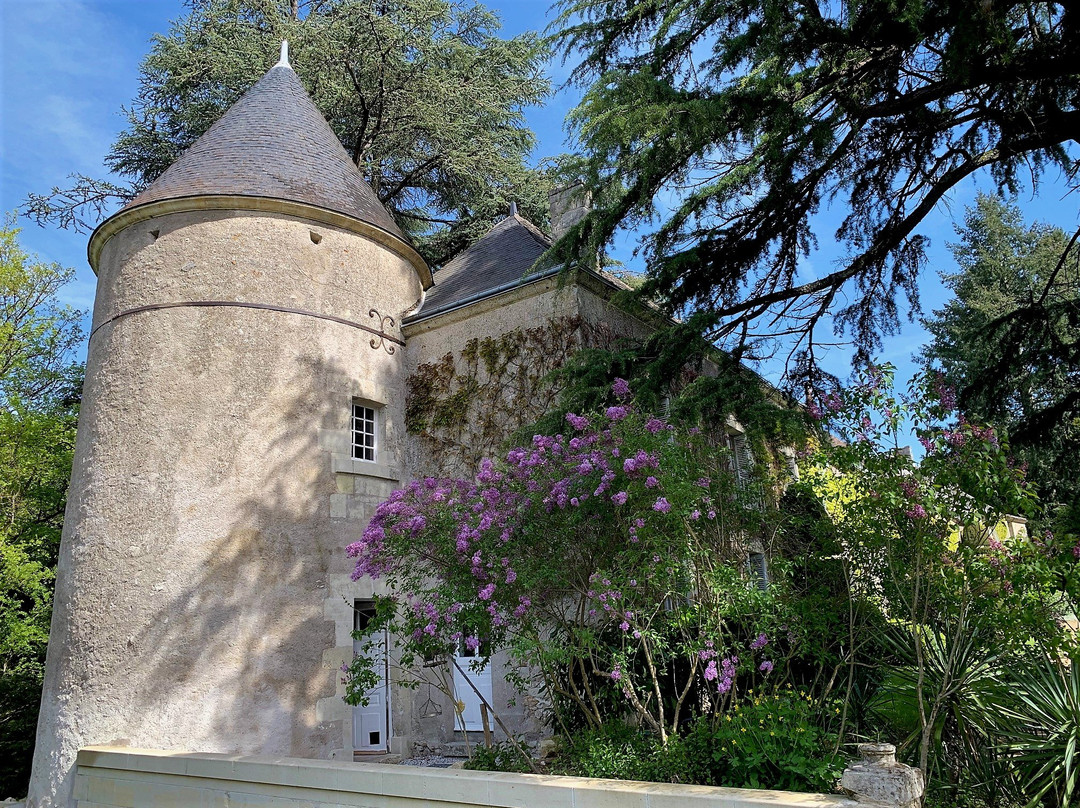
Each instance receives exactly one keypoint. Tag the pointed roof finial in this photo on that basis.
(284, 60)
(513, 209)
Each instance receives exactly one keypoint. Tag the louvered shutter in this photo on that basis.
(743, 459)
(758, 570)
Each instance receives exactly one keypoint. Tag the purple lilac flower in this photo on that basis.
(654, 425)
(616, 413)
(760, 642)
(619, 498)
(766, 667)
(624, 626)
(472, 643)
(487, 592)
(916, 512)
(621, 389)
(661, 505)
(710, 671)
(651, 482)
(577, 421)
(616, 673)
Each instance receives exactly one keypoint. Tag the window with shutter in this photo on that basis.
(757, 569)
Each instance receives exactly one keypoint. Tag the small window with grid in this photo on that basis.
(364, 426)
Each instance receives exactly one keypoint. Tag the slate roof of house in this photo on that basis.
(273, 143)
(504, 256)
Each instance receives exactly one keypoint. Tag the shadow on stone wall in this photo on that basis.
(235, 646)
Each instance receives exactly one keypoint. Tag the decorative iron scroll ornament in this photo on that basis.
(381, 340)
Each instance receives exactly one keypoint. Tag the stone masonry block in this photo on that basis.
(878, 779)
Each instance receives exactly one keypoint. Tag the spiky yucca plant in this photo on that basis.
(1043, 721)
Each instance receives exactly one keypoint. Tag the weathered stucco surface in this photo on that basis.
(201, 561)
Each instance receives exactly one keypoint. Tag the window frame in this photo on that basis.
(374, 422)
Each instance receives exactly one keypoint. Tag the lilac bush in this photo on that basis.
(605, 558)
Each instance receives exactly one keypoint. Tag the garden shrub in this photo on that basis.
(500, 757)
(771, 740)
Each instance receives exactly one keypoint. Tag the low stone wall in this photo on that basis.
(114, 777)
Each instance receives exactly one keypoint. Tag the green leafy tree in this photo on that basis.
(39, 394)
(1009, 340)
(424, 95)
(965, 592)
(724, 128)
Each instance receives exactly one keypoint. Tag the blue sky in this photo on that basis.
(68, 66)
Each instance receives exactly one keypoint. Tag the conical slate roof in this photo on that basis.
(505, 255)
(273, 143)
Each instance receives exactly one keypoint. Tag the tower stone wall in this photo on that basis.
(202, 564)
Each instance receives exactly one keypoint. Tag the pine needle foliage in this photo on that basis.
(725, 129)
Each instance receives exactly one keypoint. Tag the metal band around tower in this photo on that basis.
(378, 341)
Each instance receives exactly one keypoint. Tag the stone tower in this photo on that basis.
(248, 306)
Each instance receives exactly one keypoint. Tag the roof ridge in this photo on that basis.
(534, 231)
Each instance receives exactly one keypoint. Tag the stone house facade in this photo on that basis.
(263, 335)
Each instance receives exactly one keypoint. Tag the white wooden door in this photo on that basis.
(470, 718)
(371, 728)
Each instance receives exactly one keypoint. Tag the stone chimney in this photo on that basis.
(568, 206)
